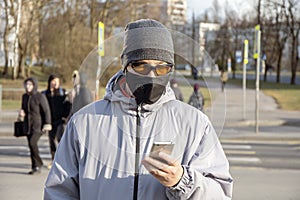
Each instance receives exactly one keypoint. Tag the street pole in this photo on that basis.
(244, 76)
(0, 97)
(258, 35)
(193, 46)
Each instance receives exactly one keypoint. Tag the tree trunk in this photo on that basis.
(5, 71)
(5, 39)
(294, 59)
(17, 45)
(278, 67)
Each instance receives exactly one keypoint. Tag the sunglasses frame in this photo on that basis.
(149, 68)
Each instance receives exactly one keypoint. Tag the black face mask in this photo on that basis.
(146, 89)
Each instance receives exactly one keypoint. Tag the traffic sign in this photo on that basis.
(246, 52)
(101, 39)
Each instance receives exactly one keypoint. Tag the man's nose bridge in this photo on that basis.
(152, 72)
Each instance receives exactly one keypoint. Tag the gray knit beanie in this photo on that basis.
(147, 39)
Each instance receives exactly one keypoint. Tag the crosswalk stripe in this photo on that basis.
(239, 152)
(42, 155)
(244, 159)
(13, 147)
(227, 146)
(240, 148)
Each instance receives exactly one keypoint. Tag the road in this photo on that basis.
(259, 154)
(264, 170)
(263, 154)
(261, 169)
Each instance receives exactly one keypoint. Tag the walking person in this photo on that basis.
(37, 120)
(177, 91)
(60, 109)
(105, 152)
(196, 99)
(224, 79)
(81, 95)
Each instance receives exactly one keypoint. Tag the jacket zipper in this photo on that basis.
(137, 154)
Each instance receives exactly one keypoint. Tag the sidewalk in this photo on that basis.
(230, 122)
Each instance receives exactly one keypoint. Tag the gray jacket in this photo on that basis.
(96, 156)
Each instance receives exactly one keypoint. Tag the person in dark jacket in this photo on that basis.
(197, 99)
(60, 108)
(37, 118)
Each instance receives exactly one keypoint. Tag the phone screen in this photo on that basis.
(166, 147)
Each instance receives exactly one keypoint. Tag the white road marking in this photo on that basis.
(228, 146)
(239, 152)
(13, 147)
(244, 159)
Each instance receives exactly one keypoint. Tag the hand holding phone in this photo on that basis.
(167, 170)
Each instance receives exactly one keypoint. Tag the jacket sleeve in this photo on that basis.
(206, 176)
(62, 181)
(46, 109)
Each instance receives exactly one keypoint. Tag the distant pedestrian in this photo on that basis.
(60, 109)
(224, 79)
(37, 120)
(81, 95)
(177, 91)
(195, 73)
(196, 98)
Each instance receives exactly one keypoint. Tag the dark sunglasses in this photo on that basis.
(144, 68)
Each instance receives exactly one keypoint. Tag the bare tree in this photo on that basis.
(294, 28)
(276, 34)
(217, 11)
(5, 37)
(9, 11)
(233, 23)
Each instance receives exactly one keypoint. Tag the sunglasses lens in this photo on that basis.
(141, 68)
(144, 68)
(162, 69)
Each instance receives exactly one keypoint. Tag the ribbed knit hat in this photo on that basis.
(147, 39)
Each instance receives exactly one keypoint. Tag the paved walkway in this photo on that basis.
(232, 119)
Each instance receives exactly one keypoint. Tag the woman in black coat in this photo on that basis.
(37, 118)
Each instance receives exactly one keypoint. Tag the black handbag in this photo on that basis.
(19, 129)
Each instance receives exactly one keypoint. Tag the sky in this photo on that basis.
(199, 6)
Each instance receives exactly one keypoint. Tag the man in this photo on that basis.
(104, 153)
(196, 98)
(60, 108)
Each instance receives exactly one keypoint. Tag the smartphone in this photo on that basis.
(166, 147)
